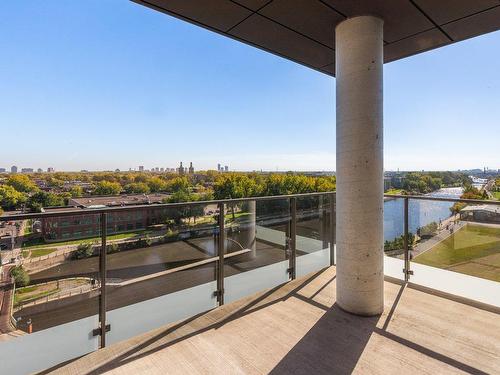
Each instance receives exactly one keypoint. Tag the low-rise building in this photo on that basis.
(85, 226)
(486, 213)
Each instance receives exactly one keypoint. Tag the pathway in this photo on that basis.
(6, 288)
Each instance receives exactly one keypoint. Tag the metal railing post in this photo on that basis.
(332, 228)
(324, 222)
(102, 272)
(292, 261)
(220, 263)
(406, 269)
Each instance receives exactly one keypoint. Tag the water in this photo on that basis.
(420, 212)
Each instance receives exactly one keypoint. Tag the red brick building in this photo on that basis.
(88, 225)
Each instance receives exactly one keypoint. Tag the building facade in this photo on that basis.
(63, 228)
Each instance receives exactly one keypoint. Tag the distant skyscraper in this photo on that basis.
(2, 170)
(181, 170)
(226, 168)
(141, 168)
(13, 169)
(50, 170)
(218, 167)
(39, 170)
(27, 170)
(191, 168)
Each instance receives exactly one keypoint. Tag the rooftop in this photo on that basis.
(119, 200)
(298, 328)
(484, 207)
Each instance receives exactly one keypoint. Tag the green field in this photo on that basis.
(40, 243)
(394, 191)
(31, 293)
(41, 252)
(496, 194)
(473, 250)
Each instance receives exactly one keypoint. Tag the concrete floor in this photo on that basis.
(298, 328)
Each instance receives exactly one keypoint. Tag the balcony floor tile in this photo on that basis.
(297, 328)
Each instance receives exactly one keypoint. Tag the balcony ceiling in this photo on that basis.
(303, 30)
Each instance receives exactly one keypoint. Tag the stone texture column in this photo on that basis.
(360, 185)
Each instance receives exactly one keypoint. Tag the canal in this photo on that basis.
(420, 212)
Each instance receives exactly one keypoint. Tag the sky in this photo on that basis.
(105, 84)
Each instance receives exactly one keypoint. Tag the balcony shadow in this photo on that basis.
(334, 344)
(162, 340)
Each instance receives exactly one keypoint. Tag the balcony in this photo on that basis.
(297, 328)
(251, 284)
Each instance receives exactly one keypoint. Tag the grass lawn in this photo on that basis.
(41, 252)
(30, 293)
(474, 250)
(496, 194)
(40, 243)
(394, 191)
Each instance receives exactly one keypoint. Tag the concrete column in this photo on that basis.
(359, 216)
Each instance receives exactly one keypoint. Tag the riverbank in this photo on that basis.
(420, 212)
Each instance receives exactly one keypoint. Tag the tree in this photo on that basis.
(21, 183)
(428, 230)
(84, 250)
(10, 198)
(21, 277)
(178, 184)
(156, 184)
(55, 182)
(398, 243)
(457, 207)
(76, 191)
(137, 188)
(324, 184)
(233, 186)
(112, 248)
(180, 196)
(43, 199)
(107, 188)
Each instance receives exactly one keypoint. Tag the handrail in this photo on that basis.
(427, 198)
(86, 211)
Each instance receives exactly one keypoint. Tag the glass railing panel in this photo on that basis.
(459, 238)
(53, 299)
(257, 246)
(393, 237)
(162, 271)
(313, 233)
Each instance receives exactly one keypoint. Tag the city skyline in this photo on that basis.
(92, 95)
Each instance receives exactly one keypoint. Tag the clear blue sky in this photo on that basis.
(105, 84)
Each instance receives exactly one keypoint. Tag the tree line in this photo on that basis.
(427, 182)
(22, 190)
